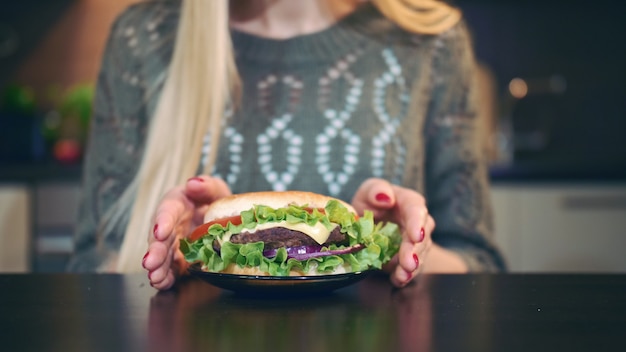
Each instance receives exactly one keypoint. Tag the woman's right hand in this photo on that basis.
(180, 211)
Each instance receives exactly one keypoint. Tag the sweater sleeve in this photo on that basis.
(115, 143)
(457, 183)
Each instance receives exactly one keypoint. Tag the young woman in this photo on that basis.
(372, 102)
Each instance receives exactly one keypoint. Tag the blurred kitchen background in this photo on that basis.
(553, 74)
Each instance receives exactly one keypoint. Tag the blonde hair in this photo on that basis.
(199, 82)
(420, 16)
(201, 79)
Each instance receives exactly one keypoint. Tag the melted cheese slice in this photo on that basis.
(319, 232)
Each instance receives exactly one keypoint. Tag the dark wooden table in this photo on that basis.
(565, 313)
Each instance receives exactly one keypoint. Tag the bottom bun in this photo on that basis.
(255, 271)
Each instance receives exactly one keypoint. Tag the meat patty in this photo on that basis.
(278, 237)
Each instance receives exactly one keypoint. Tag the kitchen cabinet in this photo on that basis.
(14, 228)
(36, 225)
(55, 213)
(561, 228)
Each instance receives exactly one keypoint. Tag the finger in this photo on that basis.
(407, 264)
(429, 226)
(408, 257)
(205, 189)
(166, 283)
(161, 272)
(172, 209)
(426, 237)
(400, 277)
(412, 212)
(164, 264)
(156, 256)
(423, 248)
(376, 195)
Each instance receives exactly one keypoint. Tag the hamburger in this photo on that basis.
(289, 233)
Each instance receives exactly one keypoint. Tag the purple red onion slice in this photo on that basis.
(309, 252)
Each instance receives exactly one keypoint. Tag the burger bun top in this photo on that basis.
(233, 205)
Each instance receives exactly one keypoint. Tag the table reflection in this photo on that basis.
(473, 312)
(370, 316)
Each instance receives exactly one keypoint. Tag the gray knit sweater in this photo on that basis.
(320, 112)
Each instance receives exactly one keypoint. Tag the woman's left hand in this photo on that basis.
(406, 208)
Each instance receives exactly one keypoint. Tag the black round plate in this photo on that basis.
(277, 285)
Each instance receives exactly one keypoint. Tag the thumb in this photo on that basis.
(205, 189)
(374, 194)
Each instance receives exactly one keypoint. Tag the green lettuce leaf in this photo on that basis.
(381, 241)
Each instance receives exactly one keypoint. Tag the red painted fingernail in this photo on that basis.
(155, 229)
(143, 261)
(199, 179)
(416, 260)
(383, 198)
(422, 235)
